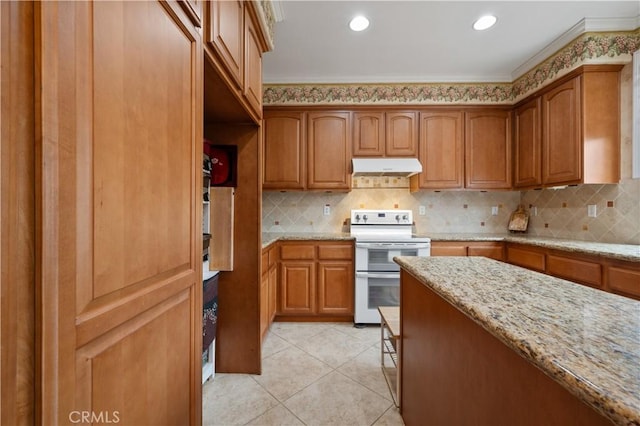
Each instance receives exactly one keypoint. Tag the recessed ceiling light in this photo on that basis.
(359, 23)
(484, 22)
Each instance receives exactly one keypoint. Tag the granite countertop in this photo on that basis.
(629, 252)
(269, 238)
(585, 339)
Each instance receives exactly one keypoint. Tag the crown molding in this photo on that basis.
(584, 26)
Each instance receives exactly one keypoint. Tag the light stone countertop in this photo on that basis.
(269, 238)
(585, 339)
(628, 252)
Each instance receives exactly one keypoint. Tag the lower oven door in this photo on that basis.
(375, 289)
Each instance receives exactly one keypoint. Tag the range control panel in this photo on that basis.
(381, 217)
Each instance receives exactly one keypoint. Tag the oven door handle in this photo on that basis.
(377, 275)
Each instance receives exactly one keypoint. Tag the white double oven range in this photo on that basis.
(380, 235)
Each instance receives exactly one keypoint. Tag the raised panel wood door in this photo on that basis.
(488, 149)
(528, 144)
(335, 287)
(401, 134)
(561, 134)
(284, 150)
(329, 150)
(224, 32)
(368, 134)
(252, 87)
(119, 166)
(298, 287)
(441, 150)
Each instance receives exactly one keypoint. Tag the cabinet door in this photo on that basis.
(528, 145)
(264, 304)
(368, 134)
(273, 292)
(335, 287)
(252, 88)
(441, 150)
(193, 8)
(561, 134)
(121, 282)
(401, 136)
(284, 150)
(488, 149)
(329, 150)
(224, 33)
(297, 287)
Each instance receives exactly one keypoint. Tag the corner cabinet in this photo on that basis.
(570, 132)
(329, 150)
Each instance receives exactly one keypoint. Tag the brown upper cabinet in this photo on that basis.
(385, 134)
(464, 150)
(234, 44)
(570, 133)
(284, 150)
(329, 150)
(306, 150)
(487, 149)
(441, 151)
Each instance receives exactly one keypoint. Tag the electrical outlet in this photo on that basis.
(494, 210)
(534, 211)
(592, 210)
(422, 210)
(327, 210)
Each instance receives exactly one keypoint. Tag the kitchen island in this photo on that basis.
(484, 342)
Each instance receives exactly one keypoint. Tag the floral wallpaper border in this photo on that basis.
(588, 48)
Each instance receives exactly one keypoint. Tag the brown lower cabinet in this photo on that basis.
(604, 273)
(316, 280)
(490, 249)
(268, 288)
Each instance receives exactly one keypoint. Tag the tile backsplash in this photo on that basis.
(448, 212)
(563, 213)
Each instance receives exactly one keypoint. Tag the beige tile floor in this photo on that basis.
(312, 374)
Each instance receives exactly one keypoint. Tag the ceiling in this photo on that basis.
(429, 41)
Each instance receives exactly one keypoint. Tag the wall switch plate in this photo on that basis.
(422, 210)
(494, 211)
(592, 210)
(326, 210)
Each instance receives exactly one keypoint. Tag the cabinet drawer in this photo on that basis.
(491, 251)
(581, 271)
(335, 251)
(448, 249)
(297, 252)
(624, 281)
(526, 258)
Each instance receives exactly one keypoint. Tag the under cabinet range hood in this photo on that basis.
(403, 167)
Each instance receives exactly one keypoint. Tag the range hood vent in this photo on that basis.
(402, 167)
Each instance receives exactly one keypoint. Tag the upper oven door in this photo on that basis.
(378, 257)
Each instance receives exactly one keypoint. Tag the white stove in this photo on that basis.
(380, 236)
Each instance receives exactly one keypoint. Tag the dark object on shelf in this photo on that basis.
(209, 311)
(224, 163)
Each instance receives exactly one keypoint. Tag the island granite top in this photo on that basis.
(585, 339)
